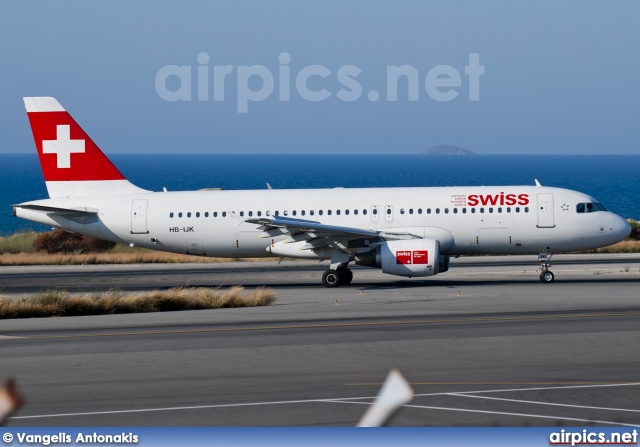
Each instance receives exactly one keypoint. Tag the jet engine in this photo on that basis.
(413, 257)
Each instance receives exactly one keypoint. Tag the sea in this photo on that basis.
(614, 180)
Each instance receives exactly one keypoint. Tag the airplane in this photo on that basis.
(410, 232)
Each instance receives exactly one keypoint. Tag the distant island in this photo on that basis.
(447, 149)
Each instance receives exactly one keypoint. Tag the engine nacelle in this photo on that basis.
(413, 257)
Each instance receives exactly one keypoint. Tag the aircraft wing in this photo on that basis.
(300, 226)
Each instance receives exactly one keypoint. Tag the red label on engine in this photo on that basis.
(403, 257)
(415, 257)
(421, 257)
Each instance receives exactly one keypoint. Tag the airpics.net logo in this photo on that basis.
(312, 83)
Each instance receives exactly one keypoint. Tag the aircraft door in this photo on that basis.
(139, 217)
(375, 217)
(388, 213)
(545, 211)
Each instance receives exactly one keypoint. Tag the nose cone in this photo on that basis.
(622, 228)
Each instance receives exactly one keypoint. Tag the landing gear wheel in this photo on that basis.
(546, 277)
(331, 278)
(346, 276)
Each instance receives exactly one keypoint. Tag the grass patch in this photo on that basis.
(141, 257)
(60, 303)
(18, 249)
(18, 243)
(621, 247)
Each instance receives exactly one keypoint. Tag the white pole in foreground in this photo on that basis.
(395, 393)
(10, 399)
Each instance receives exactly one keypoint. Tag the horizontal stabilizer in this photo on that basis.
(83, 211)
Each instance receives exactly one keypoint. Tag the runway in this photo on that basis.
(508, 350)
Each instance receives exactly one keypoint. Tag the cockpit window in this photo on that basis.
(600, 206)
(590, 207)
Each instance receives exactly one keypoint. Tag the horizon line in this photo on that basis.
(336, 154)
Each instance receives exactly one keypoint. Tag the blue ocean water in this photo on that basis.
(612, 179)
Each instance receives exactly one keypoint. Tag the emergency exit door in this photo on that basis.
(139, 217)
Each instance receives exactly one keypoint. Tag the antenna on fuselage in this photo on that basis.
(269, 186)
(537, 182)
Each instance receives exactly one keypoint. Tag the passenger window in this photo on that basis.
(189, 214)
(259, 213)
(345, 212)
(355, 212)
(428, 210)
(250, 213)
(206, 214)
(473, 210)
(491, 210)
(437, 210)
(286, 212)
(294, 212)
(464, 211)
(419, 210)
(277, 213)
(312, 212)
(319, 212)
(499, 210)
(328, 212)
(482, 210)
(268, 213)
(198, 214)
(517, 209)
(215, 214)
(401, 210)
(179, 214)
(224, 214)
(526, 209)
(365, 212)
(508, 209)
(455, 211)
(241, 213)
(389, 211)
(171, 215)
(375, 212)
(446, 210)
(410, 210)
(302, 212)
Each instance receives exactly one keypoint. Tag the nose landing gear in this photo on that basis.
(546, 276)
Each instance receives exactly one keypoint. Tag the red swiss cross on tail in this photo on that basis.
(71, 162)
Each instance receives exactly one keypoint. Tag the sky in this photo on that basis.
(313, 77)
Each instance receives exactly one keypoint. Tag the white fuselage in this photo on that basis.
(212, 223)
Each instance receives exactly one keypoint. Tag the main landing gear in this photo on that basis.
(341, 276)
(546, 276)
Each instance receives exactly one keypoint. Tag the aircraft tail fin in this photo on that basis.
(72, 164)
